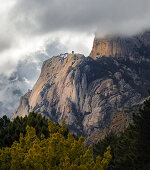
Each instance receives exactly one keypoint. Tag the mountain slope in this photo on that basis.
(87, 91)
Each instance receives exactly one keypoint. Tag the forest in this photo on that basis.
(33, 142)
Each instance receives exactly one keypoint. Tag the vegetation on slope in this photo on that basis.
(59, 150)
(10, 130)
(35, 142)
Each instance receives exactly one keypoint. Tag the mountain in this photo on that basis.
(87, 91)
(125, 47)
(118, 123)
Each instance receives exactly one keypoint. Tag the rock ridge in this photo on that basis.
(87, 91)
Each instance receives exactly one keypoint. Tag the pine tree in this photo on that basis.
(57, 152)
(142, 128)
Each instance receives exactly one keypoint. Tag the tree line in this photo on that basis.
(34, 142)
(45, 145)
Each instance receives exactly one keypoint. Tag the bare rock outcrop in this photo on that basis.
(119, 122)
(85, 91)
(126, 47)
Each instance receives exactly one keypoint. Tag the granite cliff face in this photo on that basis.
(87, 91)
(119, 122)
(126, 47)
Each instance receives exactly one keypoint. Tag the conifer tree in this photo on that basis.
(58, 151)
(142, 128)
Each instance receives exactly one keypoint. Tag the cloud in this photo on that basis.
(22, 34)
(41, 16)
(23, 78)
(26, 26)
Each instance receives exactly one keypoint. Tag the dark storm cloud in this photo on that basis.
(42, 16)
(6, 41)
(4, 45)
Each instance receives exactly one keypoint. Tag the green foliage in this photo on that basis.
(58, 151)
(110, 140)
(142, 128)
(123, 149)
(10, 130)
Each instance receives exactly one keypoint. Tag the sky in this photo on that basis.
(34, 30)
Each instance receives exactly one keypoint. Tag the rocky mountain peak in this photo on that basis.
(86, 92)
(121, 46)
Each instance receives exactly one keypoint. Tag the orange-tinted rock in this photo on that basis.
(121, 46)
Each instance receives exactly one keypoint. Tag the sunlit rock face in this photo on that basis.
(87, 91)
(126, 47)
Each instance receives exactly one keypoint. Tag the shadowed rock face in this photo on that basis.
(87, 91)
